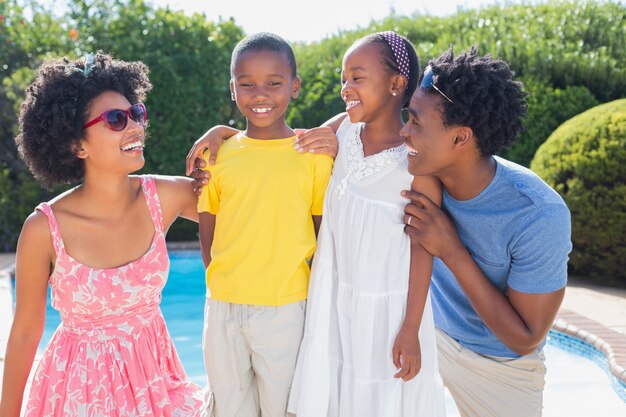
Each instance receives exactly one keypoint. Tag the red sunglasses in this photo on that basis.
(117, 119)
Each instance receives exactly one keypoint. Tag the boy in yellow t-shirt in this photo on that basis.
(259, 217)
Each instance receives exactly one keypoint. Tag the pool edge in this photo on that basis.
(611, 343)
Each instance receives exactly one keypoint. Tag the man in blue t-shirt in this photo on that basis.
(501, 238)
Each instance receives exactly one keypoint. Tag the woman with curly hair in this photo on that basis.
(101, 248)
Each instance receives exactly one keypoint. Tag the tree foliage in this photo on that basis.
(584, 160)
(570, 54)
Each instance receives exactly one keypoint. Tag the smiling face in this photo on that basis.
(109, 150)
(263, 87)
(366, 85)
(431, 144)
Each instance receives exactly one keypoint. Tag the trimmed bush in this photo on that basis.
(569, 53)
(585, 161)
(548, 107)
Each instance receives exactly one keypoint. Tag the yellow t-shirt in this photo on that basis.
(263, 193)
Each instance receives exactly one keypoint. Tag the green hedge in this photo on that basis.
(570, 54)
(585, 161)
(548, 107)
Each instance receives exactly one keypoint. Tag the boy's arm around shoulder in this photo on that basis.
(211, 140)
(34, 257)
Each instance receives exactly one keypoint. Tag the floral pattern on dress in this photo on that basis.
(112, 354)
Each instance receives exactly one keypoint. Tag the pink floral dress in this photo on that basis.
(112, 354)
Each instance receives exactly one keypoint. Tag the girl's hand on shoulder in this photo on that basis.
(211, 140)
(320, 140)
(407, 356)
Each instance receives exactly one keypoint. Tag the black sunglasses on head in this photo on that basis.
(428, 83)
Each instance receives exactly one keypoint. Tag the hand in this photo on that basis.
(407, 356)
(428, 226)
(211, 140)
(317, 140)
(200, 176)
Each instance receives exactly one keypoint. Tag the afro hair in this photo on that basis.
(484, 97)
(57, 105)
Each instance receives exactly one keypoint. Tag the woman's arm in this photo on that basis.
(33, 264)
(177, 199)
(406, 350)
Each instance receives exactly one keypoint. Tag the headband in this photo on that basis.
(399, 51)
(87, 66)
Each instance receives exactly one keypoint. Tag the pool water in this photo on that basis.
(575, 385)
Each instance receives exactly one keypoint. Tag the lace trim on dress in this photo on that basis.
(365, 170)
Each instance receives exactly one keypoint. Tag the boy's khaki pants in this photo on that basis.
(250, 355)
(490, 386)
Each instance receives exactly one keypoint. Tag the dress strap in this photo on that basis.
(148, 185)
(57, 240)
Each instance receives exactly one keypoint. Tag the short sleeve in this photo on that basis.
(323, 166)
(540, 254)
(209, 199)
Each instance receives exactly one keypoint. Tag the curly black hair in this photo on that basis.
(485, 97)
(57, 105)
(389, 60)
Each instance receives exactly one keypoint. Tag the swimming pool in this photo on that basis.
(575, 385)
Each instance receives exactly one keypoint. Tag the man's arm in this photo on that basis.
(521, 320)
(177, 199)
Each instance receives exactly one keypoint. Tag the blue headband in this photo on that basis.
(89, 62)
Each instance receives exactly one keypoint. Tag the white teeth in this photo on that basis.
(261, 109)
(133, 145)
(352, 103)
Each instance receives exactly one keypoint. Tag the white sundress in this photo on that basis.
(357, 296)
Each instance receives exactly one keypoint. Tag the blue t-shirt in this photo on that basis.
(518, 232)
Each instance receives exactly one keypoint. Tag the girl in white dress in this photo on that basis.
(369, 341)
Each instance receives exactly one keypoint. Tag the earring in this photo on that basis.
(393, 93)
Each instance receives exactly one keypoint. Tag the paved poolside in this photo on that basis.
(592, 313)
